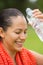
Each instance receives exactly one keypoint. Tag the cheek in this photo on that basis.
(13, 36)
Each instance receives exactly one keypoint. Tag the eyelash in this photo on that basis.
(25, 32)
(17, 32)
(20, 32)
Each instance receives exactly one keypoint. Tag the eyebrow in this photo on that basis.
(20, 29)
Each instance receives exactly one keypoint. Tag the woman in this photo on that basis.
(13, 28)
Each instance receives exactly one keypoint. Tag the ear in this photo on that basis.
(1, 32)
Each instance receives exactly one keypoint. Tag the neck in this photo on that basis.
(12, 53)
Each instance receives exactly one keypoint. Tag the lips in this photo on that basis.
(20, 44)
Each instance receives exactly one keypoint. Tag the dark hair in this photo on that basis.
(4, 17)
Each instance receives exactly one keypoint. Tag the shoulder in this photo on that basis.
(29, 54)
(39, 57)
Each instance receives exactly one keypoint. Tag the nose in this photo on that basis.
(22, 36)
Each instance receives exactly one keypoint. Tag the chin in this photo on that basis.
(18, 49)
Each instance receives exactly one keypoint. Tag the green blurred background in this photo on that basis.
(32, 42)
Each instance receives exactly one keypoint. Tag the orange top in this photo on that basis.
(24, 57)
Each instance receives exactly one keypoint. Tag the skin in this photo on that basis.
(39, 57)
(38, 14)
(14, 37)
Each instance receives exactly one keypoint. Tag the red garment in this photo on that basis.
(24, 57)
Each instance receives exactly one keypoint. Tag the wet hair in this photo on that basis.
(5, 15)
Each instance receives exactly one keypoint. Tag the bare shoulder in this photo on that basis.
(39, 57)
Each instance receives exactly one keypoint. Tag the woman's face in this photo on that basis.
(16, 33)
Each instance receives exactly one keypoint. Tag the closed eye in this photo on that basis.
(25, 32)
(18, 32)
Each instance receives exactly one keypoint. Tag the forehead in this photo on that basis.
(18, 22)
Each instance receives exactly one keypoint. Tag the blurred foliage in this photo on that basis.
(21, 4)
